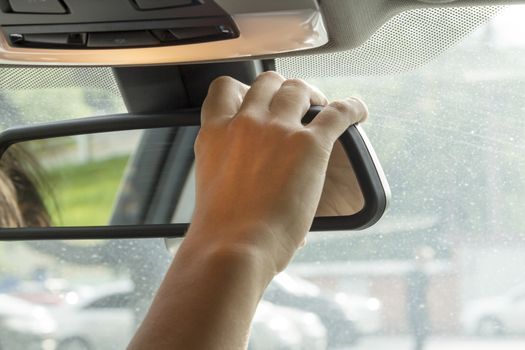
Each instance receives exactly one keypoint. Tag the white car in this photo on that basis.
(86, 321)
(82, 322)
(365, 311)
(504, 314)
(283, 328)
(24, 325)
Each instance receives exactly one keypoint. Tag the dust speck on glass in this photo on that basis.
(442, 270)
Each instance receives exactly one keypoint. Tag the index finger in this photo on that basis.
(337, 116)
(225, 96)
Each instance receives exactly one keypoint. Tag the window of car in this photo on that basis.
(115, 301)
(448, 129)
(36, 95)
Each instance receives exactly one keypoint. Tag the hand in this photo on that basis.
(259, 170)
(259, 177)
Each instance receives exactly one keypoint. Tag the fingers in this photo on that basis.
(262, 92)
(294, 98)
(284, 99)
(337, 116)
(225, 96)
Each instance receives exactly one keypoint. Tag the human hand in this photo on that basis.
(259, 177)
(259, 170)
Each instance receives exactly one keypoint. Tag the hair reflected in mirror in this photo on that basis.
(22, 185)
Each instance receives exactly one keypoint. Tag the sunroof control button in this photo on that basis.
(37, 6)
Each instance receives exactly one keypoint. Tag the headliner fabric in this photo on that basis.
(351, 22)
(406, 41)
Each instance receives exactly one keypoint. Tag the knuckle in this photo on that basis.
(296, 83)
(270, 75)
(222, 81)
(343, 107)
(305, 137)
(197, 146)
(201, 140)
(352, 107)
(245, 121)
(277, 127)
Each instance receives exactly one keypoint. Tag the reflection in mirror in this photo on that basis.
(76, 177)
(126, 177)
(342, 195)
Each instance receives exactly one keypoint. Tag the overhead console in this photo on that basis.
(129, 32)
(84, 24)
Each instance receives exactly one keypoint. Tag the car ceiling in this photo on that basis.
(360, 33)
(406, 41)
(351, 22)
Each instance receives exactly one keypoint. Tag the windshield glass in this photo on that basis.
(33, 95)
(449, 136)
(440, 264)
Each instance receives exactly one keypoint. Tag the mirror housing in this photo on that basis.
(367, 169)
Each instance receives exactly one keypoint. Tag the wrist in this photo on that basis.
(237, 256)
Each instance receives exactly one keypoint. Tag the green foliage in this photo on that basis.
(85, 193)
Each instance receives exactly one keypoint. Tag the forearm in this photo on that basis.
(207, 299)
(259, 174)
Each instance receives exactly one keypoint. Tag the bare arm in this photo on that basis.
(259, 178)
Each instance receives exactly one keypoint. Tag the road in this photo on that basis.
(439, 343)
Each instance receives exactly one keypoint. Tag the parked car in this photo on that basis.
(25, 325)
(346, 318)
(365, 311)
(84, 323)
(283, 328)
(79, 322)
(496, 316)
(51, 291)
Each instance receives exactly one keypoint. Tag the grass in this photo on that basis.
(85, 194)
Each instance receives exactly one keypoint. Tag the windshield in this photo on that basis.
(37, 95)
(449, 136)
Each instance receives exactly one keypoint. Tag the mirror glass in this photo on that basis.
(341, 196)
(77, 178)
(125, 177)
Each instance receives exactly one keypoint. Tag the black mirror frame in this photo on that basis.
(366, 166)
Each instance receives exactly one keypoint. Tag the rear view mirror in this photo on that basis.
(130, 176)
